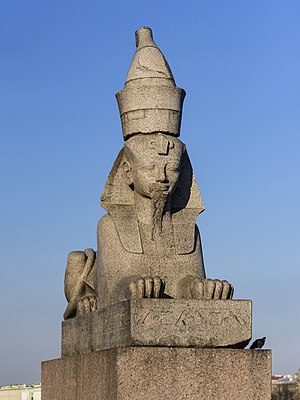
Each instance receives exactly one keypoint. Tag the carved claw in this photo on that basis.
(149, 287)
(87, 304)
(211, 289)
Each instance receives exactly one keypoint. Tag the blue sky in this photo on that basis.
(61, 64)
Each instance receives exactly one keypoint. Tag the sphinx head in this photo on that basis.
(152, 164)
(152, 169)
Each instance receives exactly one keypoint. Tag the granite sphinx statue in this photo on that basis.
(142, 320)
(148, 242)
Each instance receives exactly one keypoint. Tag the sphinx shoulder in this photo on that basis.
(106, 227)
(105, 222)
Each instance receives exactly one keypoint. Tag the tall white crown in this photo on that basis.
(150, 101)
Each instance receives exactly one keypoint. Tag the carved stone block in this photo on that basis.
(168, 373)
(160, 322)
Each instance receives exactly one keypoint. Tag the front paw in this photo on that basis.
(211, 289)
(149, 287)
(87, 304)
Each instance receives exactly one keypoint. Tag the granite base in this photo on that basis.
(155, 373)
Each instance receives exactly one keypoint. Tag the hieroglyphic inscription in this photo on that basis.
(201, 322)
(150, 322)
(95, 331)
(189, 317)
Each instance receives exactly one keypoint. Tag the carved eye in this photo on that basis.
(173, 167)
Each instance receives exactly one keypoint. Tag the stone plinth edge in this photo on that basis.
(160, 322)
(169, 373)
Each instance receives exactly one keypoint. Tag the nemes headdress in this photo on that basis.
(151, 103)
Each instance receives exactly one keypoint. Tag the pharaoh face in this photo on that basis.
(153, 164)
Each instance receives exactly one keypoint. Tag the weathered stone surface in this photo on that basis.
(150, 101)
(79, 283)
(160, 322)
(159, 373)
(102, 329)
(148, 245)
(143, 321)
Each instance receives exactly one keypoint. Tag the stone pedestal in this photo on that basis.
(169, 373)
(181, 336)
(160, 322)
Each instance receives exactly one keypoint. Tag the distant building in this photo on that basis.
(284, 378)
(20, 392)
(285, 387)
(276, 378)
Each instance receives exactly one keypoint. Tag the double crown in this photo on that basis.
(150, 101)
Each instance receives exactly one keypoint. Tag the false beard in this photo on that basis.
(158, 202)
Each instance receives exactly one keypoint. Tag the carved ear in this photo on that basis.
(127, 172)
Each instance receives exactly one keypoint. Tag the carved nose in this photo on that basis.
(161, 175)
